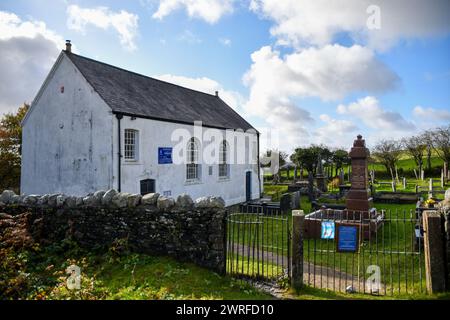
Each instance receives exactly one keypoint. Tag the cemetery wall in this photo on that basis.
(186, 230)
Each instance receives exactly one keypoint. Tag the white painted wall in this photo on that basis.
(172, 177)
(70, 146)
(67, 137)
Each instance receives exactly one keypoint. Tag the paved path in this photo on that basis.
(313, 275)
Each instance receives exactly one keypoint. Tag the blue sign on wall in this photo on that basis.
(328, 229)
(348, 238)
(164, 155)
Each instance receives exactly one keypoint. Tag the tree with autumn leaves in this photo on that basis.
(10, 148)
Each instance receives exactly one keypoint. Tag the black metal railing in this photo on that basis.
(258, 244)
(388, 259)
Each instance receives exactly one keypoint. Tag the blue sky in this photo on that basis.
(313, 71)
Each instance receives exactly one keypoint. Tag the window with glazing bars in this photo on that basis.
(223, 165)
(192, 166)
(131, 144)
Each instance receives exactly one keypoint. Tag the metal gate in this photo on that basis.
(389, 259)
(258, 244)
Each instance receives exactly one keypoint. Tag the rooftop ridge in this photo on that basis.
(138, 74)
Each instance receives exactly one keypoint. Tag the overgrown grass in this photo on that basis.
(40, 274)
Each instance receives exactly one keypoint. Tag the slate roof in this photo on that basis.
(133, 94)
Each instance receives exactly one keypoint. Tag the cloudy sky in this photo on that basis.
(317, 71)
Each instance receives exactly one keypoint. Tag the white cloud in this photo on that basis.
(372, 114)
(329, 73)
(431, 114)
(226, 42)
(207, 85)
(318, 22)
(189, 37)
(123, 22)
(28, 50)
(334, 132)
(208, 10)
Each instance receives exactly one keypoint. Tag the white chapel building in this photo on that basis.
(93, 126)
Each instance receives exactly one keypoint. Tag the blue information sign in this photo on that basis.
(164, 155)
(348, 238)
(328, 229)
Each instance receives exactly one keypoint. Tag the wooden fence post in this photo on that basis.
(434, 252)
(298, 226)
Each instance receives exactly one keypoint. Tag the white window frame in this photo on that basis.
(131, 145)
(224, 167)
(193, 168)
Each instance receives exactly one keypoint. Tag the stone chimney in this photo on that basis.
(217, 93)
(68, 46)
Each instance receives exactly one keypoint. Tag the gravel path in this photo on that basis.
(313, 275)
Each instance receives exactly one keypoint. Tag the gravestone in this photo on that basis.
(430, 188)
(445, 171)
(358, 197)
(394, 186)
(404, 183)
(341, 177)
(320, 178)
(296, 200)
(442, 179)
(422, 175)
(372, 176)
(310, 186)
(286, 202)
(295, 173)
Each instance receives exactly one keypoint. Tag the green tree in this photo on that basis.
(309, 157)
(10, 148)
(340, 158)
(416, 147)
(388, 153)
(440, 141)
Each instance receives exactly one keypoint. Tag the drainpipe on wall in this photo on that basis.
(119, 154)
(259, 167)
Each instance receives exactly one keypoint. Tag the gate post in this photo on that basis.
(434, 252)
(298, 225)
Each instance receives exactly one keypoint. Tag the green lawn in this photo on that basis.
(39, 273)
(402, 270)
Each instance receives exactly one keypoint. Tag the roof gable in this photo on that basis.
(133, 94)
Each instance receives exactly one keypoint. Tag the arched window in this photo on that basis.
(223, 160)
(192, 165)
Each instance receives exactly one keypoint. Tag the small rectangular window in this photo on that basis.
(147, 186)
(131, 144)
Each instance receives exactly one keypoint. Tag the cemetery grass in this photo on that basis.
(38, 273)
(401, 271)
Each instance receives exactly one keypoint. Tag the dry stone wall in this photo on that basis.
(188, 230)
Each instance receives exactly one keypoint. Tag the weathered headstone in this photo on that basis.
(295, 173)
(442, 179)
(404, 183)
(286, 202)
(358, 197)
(415, 174)
(320, 178)
(445, 171)
(394, 186)
(310, 186)
(422, 175)
(341, 177)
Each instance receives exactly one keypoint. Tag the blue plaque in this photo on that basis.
(347, 238)
(165, 156)
(328, 228)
